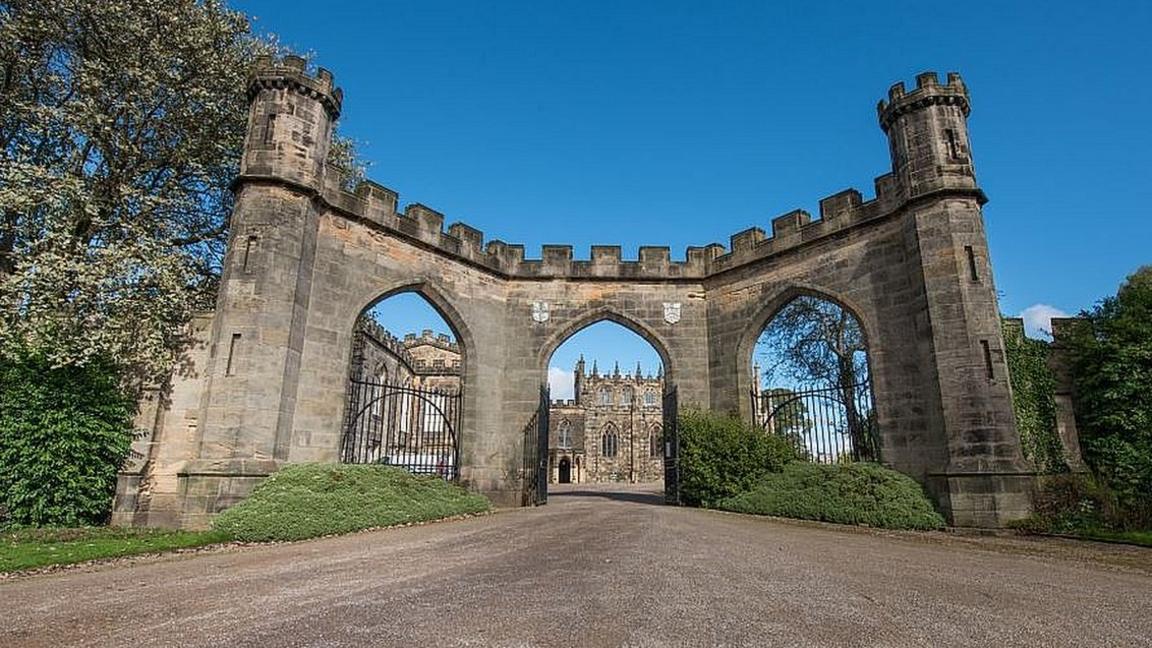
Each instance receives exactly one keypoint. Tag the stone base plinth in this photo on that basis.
(207, 487)
(988, 500)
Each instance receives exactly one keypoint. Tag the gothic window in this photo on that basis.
(609, 441)
(656, 441)
(626, 396)
(564, 435)
(650, 398)
(376, 392)
(605, 396)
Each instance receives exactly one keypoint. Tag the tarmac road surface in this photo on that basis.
(601, 566)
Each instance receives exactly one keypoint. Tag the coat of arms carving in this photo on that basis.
(540, 311)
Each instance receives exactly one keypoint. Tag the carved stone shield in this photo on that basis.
(671, 312)
(540, 311)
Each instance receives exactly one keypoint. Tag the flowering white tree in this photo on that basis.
(121, 128)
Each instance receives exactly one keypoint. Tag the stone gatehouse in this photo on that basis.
(306, 258)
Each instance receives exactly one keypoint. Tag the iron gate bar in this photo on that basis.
(671, 447)
(535, 461)
(542, 445)
(413, 428)
(528, 472)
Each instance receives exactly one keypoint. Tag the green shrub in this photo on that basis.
(308, 500)
(1078, 505)
(64, 433)
(722, 456)
(865, 494)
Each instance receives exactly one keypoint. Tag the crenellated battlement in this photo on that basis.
(380, 206)
(428, 338)
(928, 92)
(291, 72)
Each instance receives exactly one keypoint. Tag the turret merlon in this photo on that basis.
(291, 72)
(928, 92)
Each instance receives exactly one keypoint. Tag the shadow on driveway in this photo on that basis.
(637, 496)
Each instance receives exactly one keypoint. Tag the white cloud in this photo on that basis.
(1038, 320)
(561, 383)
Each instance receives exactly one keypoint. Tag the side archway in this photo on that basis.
(407, 372)
(810, 375)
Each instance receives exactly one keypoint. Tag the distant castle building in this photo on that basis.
(426, 361)
(613, 429)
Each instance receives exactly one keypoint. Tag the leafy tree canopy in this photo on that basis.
(815, 343)
(1112, 355)
(121, 127)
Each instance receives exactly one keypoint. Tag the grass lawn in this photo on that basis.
(29, 548)
(298, 502)
(1142, 538)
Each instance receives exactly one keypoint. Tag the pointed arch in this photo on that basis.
(439, 303)
(604, 395)
(838, 387)
(656, 440)
(606, 313)
(756, 324)
(772, 307)
(421, 424)
(564, 435)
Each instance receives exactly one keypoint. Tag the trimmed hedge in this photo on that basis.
(64, 433)
(722, 456)
(308, 500)
(862, 493)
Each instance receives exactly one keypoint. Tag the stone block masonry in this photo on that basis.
(306, 257)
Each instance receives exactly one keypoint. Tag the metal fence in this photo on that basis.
(826, 425)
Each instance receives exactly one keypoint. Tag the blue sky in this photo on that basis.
(680, 123)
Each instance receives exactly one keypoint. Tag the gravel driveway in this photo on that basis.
(600, 566)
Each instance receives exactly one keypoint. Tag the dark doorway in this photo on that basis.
(565, 470)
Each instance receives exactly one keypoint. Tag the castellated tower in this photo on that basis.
(290, 121)
(960, 345)
(246, 418)
(928, 135)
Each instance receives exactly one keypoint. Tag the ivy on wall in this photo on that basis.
(1033, 398)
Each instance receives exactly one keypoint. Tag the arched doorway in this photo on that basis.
(605, 399)
(405, 388)
(565, 476)
(812, 381)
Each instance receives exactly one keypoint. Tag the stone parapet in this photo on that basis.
(378, 206)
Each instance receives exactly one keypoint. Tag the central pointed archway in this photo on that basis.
(606, 378)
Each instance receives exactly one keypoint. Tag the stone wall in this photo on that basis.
(306, 258)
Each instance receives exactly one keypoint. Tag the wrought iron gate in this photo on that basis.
(399, 425)
(536, 453)
(671, 448)
(826, 425)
